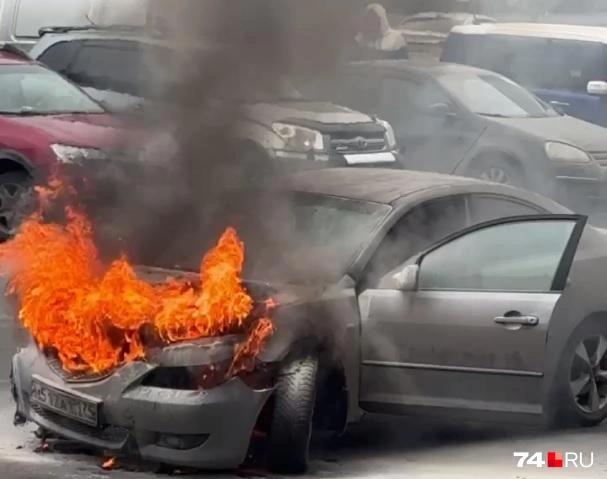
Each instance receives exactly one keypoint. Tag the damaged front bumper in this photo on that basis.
(204, 428)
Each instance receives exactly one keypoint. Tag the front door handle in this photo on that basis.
(559, 103)
(520, 320)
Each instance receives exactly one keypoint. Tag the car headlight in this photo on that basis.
(562, 152)
(76, 154)
(390, 136)
(298, 138)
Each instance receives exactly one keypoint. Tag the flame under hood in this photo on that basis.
(95, 317)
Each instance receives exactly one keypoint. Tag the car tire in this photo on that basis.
(291, 427)
(15, 187)
(578, 396)
(497, 169)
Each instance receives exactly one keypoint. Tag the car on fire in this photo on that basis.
(396, 292)
(129, 68)
(45, 120)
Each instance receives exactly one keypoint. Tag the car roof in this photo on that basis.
(380, 185)
(419, 67)
(537, 30)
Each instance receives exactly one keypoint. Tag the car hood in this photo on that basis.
(564, 128)
(321, 112)
(86, 130)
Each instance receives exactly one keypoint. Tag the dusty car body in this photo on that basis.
(359, 326)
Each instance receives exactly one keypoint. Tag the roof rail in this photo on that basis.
(101, 28)
(15, 50)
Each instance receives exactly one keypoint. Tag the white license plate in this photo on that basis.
(366, 158)
(81, 408)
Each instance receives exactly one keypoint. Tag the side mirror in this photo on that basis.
(406, 279)
(441, 110)
(597, 87)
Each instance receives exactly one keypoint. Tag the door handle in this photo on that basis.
(520, 320)
(560, 103)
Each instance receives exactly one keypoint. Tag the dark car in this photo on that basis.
(397, 292)
(461, 120)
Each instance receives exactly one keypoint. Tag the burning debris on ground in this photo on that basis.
(93, 316)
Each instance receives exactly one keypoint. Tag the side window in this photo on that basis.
(403, 100)
(417, 230)
(59, 56)
(486, 208)
(521, 256)
(579, 62)
(112, 66)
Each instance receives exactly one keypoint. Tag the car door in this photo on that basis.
(566, 81)
(432, 133)
(470, 338)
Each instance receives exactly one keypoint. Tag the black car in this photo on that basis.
(462, 120)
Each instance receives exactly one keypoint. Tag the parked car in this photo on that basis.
(565, 65)
(465, 121)
(421, 294)
(123, 67)
(44, 120)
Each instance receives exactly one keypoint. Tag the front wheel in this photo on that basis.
(579, 397)
(16, 200)
(497, 170)
(291, 427)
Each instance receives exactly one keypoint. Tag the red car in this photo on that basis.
(44, 120)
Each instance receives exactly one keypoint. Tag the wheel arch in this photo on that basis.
(11, 160)
(490, 152)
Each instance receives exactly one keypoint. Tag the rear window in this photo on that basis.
(537, 63)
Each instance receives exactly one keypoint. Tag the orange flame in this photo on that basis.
(92, 315)
(109, 463)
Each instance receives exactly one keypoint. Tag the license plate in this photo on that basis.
(362, 158)
(82, 408)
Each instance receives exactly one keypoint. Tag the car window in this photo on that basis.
(519, 256)
(486, 208)
(58, 56)
(494, 95)
(579, 62)
(417, 230)
(403, 100)
(33, 89)
(112, 66)
(360, 92)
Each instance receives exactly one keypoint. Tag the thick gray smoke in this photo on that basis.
(230, 51)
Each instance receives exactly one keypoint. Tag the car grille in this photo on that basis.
(69, 377)
(110, 434)
(600, 157)
(357, 142)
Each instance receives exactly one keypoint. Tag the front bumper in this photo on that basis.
(581, 187)
(377, 159)
(195, 428)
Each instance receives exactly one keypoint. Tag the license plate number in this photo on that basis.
(84, 410)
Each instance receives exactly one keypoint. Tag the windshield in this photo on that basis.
(34, 90)
(305, 236)
(493, 95)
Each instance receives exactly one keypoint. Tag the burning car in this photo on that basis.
(420, 293)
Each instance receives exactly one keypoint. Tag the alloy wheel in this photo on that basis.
(496, 175)
(15, 205)
(588, 375)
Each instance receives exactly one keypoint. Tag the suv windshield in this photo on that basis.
(494, 95)
(34, 90)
